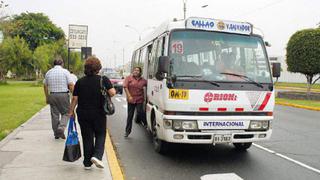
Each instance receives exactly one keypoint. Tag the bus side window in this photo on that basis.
(137, 58)
(143, 60)
(147, 62)
(132, 61)
(152, 59)
(159, 53)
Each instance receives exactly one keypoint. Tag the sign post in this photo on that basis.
(77, 38)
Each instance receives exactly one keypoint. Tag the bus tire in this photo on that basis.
(159, 145)
(242, 146)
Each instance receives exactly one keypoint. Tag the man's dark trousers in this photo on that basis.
(140, 115)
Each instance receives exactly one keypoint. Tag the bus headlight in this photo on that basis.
(167, 124)
(185, 125)
(259, 125)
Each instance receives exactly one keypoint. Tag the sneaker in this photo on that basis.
(97, 162)
(87, 168)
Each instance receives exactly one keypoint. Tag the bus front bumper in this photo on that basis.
(214, 136)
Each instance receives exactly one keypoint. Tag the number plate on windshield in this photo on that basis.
(222, 138)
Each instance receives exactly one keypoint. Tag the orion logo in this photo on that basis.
(209, 97)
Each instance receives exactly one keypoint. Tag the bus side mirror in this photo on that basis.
(267, 44)
(163, 67)
(276, 69)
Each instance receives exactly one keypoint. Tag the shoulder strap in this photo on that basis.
(102, 87)
(101, 84)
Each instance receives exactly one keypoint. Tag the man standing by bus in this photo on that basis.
(133, 87)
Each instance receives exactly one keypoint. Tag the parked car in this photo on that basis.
(117, 80)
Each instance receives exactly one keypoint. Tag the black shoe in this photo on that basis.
(56, 137)
(60, 133)
(137, 121)
(126, 135)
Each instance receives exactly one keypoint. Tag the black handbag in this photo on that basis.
(108, 105)
(72, 150)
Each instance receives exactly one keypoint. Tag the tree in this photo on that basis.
(35, 28)
(303, 55)
(76, 64)
(16, 56)
(44, 56)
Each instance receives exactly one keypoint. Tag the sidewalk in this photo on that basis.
(32, 153)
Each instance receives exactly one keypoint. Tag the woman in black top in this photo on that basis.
(92, 119)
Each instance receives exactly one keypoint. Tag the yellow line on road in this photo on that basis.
(298, 106)
(114, 164)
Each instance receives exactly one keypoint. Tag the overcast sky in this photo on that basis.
(108, 36)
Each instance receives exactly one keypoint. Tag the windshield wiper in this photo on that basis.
(245, 78)
(199, 78)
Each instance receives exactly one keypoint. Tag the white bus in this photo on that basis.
(209, 82)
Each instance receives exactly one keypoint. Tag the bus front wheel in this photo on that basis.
(242, 146)
(159, 145)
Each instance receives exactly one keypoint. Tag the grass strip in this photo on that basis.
(19, 101)
(306, 103)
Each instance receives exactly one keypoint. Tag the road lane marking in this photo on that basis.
(118, 99)
(114, 164)
(223, 176)
(287, 158)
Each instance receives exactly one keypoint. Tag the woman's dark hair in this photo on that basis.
(138, 68)
(92, 66)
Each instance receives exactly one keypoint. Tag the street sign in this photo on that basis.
(86, 52)
(78, 36)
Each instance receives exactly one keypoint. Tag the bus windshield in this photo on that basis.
(217, 56)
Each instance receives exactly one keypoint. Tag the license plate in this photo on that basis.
(179, 94)
(222, 138)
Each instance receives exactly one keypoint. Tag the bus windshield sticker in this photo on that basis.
(179, 94)
(177, 47)
(219, 25)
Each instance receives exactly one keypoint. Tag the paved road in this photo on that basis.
(296, 136)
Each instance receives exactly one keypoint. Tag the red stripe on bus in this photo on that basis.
(222, 109)
(203, 109)
(265, 101)
(239, 109)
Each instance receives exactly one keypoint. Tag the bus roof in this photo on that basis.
(199, 23)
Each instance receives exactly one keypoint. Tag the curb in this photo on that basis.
(296, 88)
(114, 165)
(298, 106)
